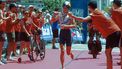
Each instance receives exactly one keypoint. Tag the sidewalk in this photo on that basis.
(52, 61)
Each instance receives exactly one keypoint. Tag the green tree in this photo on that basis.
(52, 4)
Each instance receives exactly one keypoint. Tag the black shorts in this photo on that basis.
(2, 37)
(17, 36)
(121, 41)
(24, 37)
(55, 33)
(10, 37)
(113, 40)
(65, 37)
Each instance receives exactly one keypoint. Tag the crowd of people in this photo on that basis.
(19, 23)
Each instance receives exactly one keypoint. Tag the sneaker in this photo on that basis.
(1, 63)
(54, 47)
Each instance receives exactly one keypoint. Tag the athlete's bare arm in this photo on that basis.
(26, 31)
(81, 19)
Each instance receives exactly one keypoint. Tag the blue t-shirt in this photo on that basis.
(55, 25)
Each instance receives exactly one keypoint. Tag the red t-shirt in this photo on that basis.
(9, 23)
(3, 25)
(39, 22)
(104, 25)
(17, 26)
(117, 17)
(27, 23)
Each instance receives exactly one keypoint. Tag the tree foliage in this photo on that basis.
(52, 4)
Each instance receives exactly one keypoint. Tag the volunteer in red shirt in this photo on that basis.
(26, 25)
(2, 29)
(116, 12)
(17, 28)
(38, 22)
(32, 13)
(107, 27)
(10, 22)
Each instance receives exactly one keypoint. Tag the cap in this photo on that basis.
(67, 4)
(31, 6)
(20, 6)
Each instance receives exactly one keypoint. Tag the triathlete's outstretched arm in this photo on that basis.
(81, 19)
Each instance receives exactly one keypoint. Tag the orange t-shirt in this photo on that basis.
(104, 25)
(117, 17)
